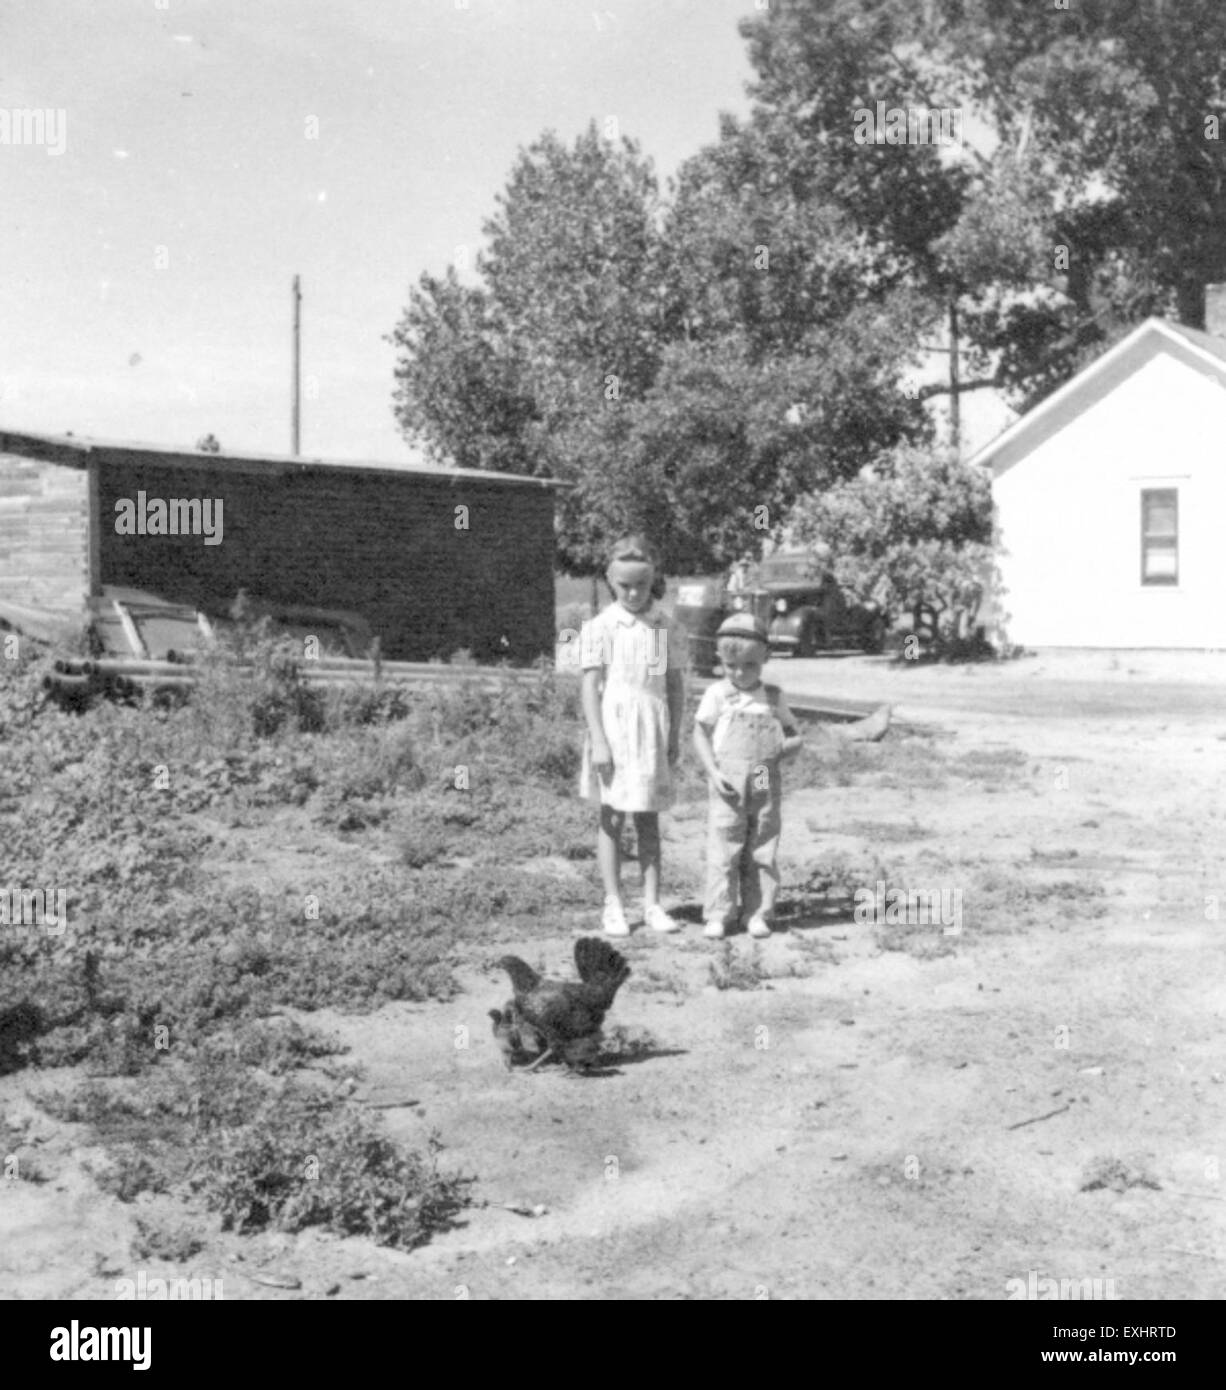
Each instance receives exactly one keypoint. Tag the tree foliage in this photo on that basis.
(519, 373)
(911, 533)
(695, 362)
(686, 376)
(1088, 191)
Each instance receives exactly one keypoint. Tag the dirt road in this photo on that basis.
(859, 1128)
(884, 1113)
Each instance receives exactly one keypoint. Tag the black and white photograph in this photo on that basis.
(613, 661)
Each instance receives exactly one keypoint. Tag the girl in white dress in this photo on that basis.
(633, 660)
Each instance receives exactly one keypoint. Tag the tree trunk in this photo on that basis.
(1190, 301)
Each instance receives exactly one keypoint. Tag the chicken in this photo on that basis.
(568, 1014)
(512, 1034)
(504, 1036)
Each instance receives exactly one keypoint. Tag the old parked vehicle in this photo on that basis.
(123, 622)
(802, 608)
(699, 606)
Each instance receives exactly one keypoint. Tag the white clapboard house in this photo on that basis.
(1110, 497)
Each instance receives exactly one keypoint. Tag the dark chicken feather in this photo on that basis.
(568, 1014)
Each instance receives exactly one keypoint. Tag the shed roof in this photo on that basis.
(1199, 350)
(75, 451)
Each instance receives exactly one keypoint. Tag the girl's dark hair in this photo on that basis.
(636, 546)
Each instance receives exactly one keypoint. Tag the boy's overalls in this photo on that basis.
(743, 831)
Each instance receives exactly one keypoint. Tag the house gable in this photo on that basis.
(1074, 556)
(1197, 351)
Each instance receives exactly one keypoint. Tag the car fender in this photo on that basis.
(792, 623)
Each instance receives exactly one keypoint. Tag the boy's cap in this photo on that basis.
(743, 625)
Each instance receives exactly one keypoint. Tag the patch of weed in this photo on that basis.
(625, 1040)
(649, 980)
(161, 1237)
(290, 1166)
(915, 940)
(887, 832)
(999, 764)
(1117, 1174)
(262, 1144)
(1000, 901)
(733, 969)
(814, 948)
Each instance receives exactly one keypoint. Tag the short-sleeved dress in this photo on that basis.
(634, 651)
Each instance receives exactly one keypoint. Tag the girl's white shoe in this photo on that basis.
(659, 920)
(714, 930)
(614, 919)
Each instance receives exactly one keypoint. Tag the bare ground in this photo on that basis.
(854, 1126)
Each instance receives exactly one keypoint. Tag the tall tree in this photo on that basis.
(921, 215)
(1089, 191)
(694, 366)
(1120, 104)
(520, 372)
(458, 390)
(689, 369)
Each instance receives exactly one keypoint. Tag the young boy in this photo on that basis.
(742, 731)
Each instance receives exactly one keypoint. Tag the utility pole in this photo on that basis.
(955, 376)
(297, 390)
(955, 406)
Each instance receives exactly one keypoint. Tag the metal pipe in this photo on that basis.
(331, 665)
(169, 682)
(426, 669)
(122, 665)
(128, 675)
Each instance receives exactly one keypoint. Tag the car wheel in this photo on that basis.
(809, 639)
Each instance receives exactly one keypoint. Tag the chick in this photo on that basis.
(513, 1034)
(583, 1053)
(503, 1037)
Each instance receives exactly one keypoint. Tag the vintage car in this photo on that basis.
(125, 622)
(801, 607)
(699, 605)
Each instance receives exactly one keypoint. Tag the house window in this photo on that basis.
(1160, 535)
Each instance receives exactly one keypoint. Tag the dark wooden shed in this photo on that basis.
(433, 559)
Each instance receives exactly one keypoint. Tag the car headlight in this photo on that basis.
(781, 605)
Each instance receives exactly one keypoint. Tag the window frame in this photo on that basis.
(1150, 542)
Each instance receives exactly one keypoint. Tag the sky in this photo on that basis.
(200, 153)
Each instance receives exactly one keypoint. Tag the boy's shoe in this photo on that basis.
(713, 930)
(659, 920)
(759, 926)
(614, 919)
